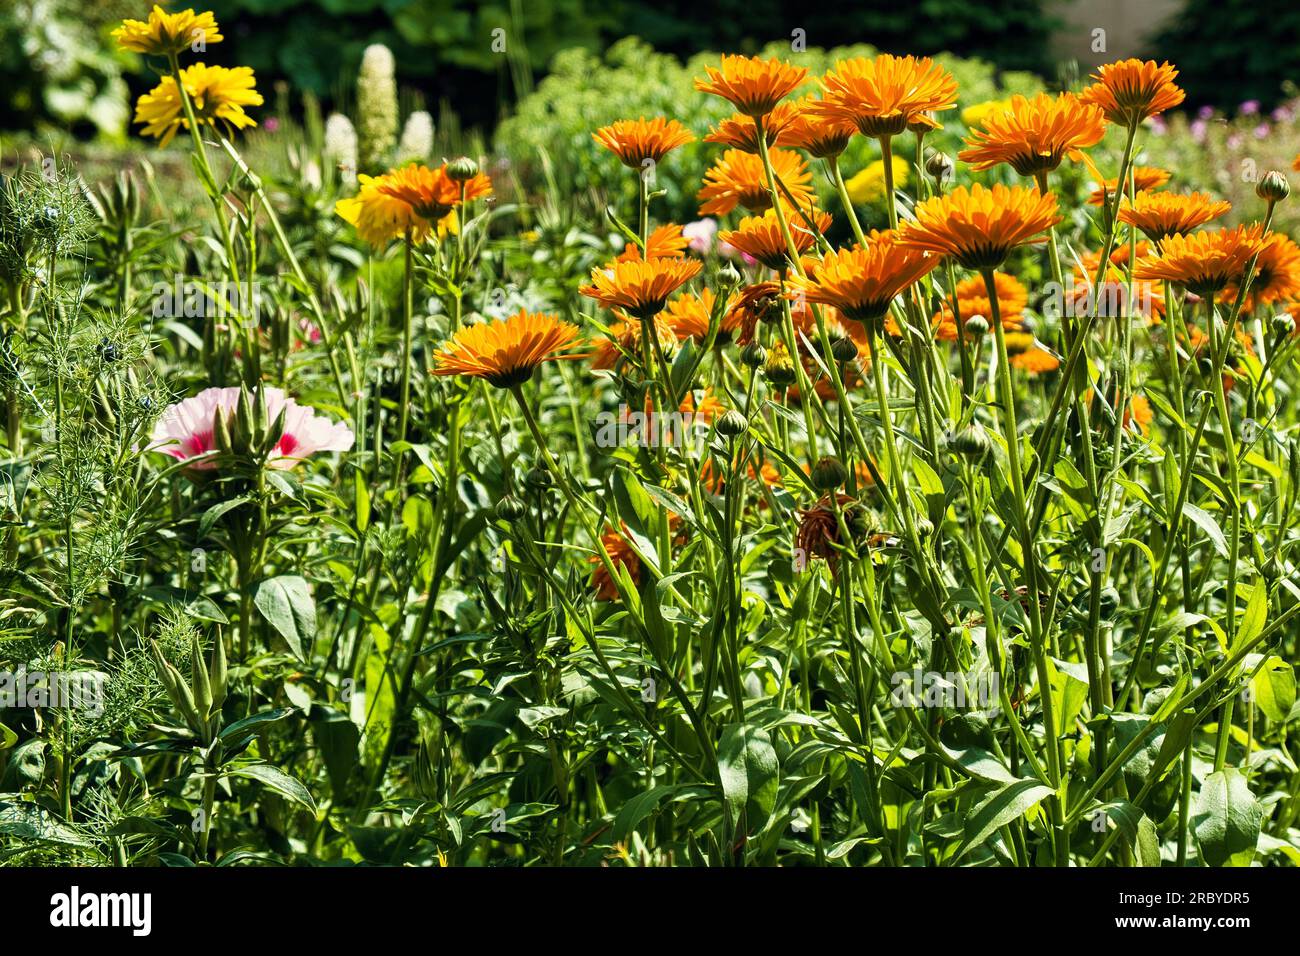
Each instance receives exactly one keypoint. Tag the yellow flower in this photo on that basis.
(379, 217)
(868, 186)
(167, 33)
(975, 114)
(218, 95)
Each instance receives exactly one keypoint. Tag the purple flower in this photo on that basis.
(1159, 126)
(1261, 131)
(1198, 129)
(1234, 141)
(1205, 112)
(271, 124)
(1248, 108)
(1282, 115)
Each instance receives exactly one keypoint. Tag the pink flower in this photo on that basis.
(1198, 129)
(270, 124)
(185, 429)
(700, 233)
(1261, 131)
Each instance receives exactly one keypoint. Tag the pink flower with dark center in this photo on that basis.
(185, 430)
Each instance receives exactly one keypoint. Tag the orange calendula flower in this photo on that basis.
(863, 280)
(738, 179)
(166, 34)
(640, 287)
(760, 236)
(716, 483)
(620, 554)
(816, 135)
(1158, 215)
(665, 242)
(1144, 178)
(881, 96)
(506, 352)
(759, 302)
(1139, 413)
(973, 299)
(1032, 136)
(752, 85)
(1276, 278)
(979, 227)
(1203, 262)
(740, 131)
(378, 217)
(635, 141)
(1034, 359)
(431, 192)
(1129, 91)
(689, 317)
(217, 94)
(624, 340)
(1113, 298)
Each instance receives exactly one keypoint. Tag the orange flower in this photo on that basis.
(760, 237)
(665, 242)
(377, 216)
(1139, 412)
(1144, 178)
(620, 554)
(740, 132)
(738, 179)
(819, 534)
(1129, 91)
(635, 141)
(1148, 297)
(625, 340)
(883, 95)
(820, 137)
(979, 227)
(640, 287)
(1033, 136)
(1159, 215)
(751, 84)
(973, 299)
(759, 302)
(506, 352)
(1277, 274)
(1203, 262)
(431, 193)
(689, 317)
(862, 281)
(1035, 359)
(716, 484)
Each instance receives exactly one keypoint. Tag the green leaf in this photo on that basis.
(362, 498)
(287, 605)
(1227, 819)
(1252, 622)
(279, 781)
(210, 516)
(998, 809)
(1069, 683)
(1274, 687)
(750, 774)
(1206, 523)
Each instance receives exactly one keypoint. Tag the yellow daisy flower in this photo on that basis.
(165, 33)
(218, 95)
(868, 186)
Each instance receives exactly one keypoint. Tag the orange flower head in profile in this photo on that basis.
(636, 141)
(1203, 262)
(431, 192)
(1032, 136)
(1276, 277)
(505, 352)
(620, 554)
(1144, 178)
(167, 34)
(760, 236)
(738, 179)
(740, 131)
(973, 299)
(1130, 91)
(863, 280)
(640, 287)
(881, 96)
(816, 135)
(665, 242)
(689, 316)
(217, 94)
(379, 217)
(752, 85)
(1158, 215)
(624, 341)
(979, 227)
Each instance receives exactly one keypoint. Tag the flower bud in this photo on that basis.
(977, 326)
(844, 349)
(753, 355)
(939, 165)
(924, 527)
(729, 275)
(1283, 324)
(462, 169)
(972, 442)
(538, 478)
(828, 474)
(510, 509)
(732, 423)
(221, 432)
(779, 367)
(1273, 187)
